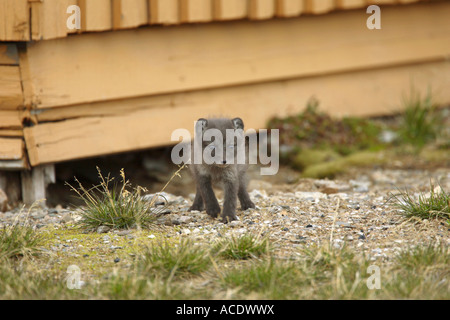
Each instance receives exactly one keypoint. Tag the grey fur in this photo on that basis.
(232, 177)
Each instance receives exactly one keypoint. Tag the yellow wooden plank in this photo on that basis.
(28, 89)
(11, 133)
(11, 148)
(319, 6)
(164, 12)
(381, 1)
(14, 20)
(148, 122)
(53, 19)
(230, 9)
(196, 10)
(10, 119)
(261, 9)
(10, 88)
(129, 13)
(81, 69)
(8, 54)
(70, 3)
(350, 4)
(96, 15)
(289, 8)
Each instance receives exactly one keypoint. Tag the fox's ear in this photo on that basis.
(238, 123)
(201, 124)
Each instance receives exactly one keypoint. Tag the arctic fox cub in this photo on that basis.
(221, 143)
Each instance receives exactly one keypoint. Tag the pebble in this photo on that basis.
(291, 215)
(103, 229)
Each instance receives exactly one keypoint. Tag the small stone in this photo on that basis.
(309, 226)
(285, 229)
(66, 218)
(344, 224)
(116, 260)
(311, 196)
(184, 219)
(185, 231)
(123, 232)
(103, 229)
(362, 237)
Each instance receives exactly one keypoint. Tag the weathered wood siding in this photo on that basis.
(113, 87)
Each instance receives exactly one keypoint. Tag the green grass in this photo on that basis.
(420, 122)
(267, 279)
(113, 205)
(242, 247)
(435, 204)
(166, 271)
(18, 240)
(169, 259)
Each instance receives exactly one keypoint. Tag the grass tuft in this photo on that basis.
(115, 206)
(435, 204)
(169, 259)
(18, 240)
(243, 247)
(420, 122)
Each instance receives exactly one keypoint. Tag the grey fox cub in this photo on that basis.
(220, 164)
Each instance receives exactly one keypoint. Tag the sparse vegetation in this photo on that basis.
(183, 272)
(109, 204)
(243, 247)
(420, 122)
(18, 240)
(174, 259)
(321, 146)
(435, 204)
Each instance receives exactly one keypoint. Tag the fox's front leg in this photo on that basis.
(243, 195)
(198, 203)
(205, 187)
(230, 198)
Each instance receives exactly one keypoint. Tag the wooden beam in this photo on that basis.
(196, 10)
(96, 15)
(289, 8)
(129, 13)
(14, 20)
(11, 149)
(319, 6)
(261, 9)
(77, 70)
(230, 9)
(8, 54)
(11, 133)
(10, 119)
(381, 2)
(164, 12)
(133, 124)
(49, 19)
(34, 184)
(14, 165)
(10, 88)
(350, 4)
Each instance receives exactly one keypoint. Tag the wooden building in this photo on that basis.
(138, 69)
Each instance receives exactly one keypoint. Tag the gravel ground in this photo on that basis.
(354, 211)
